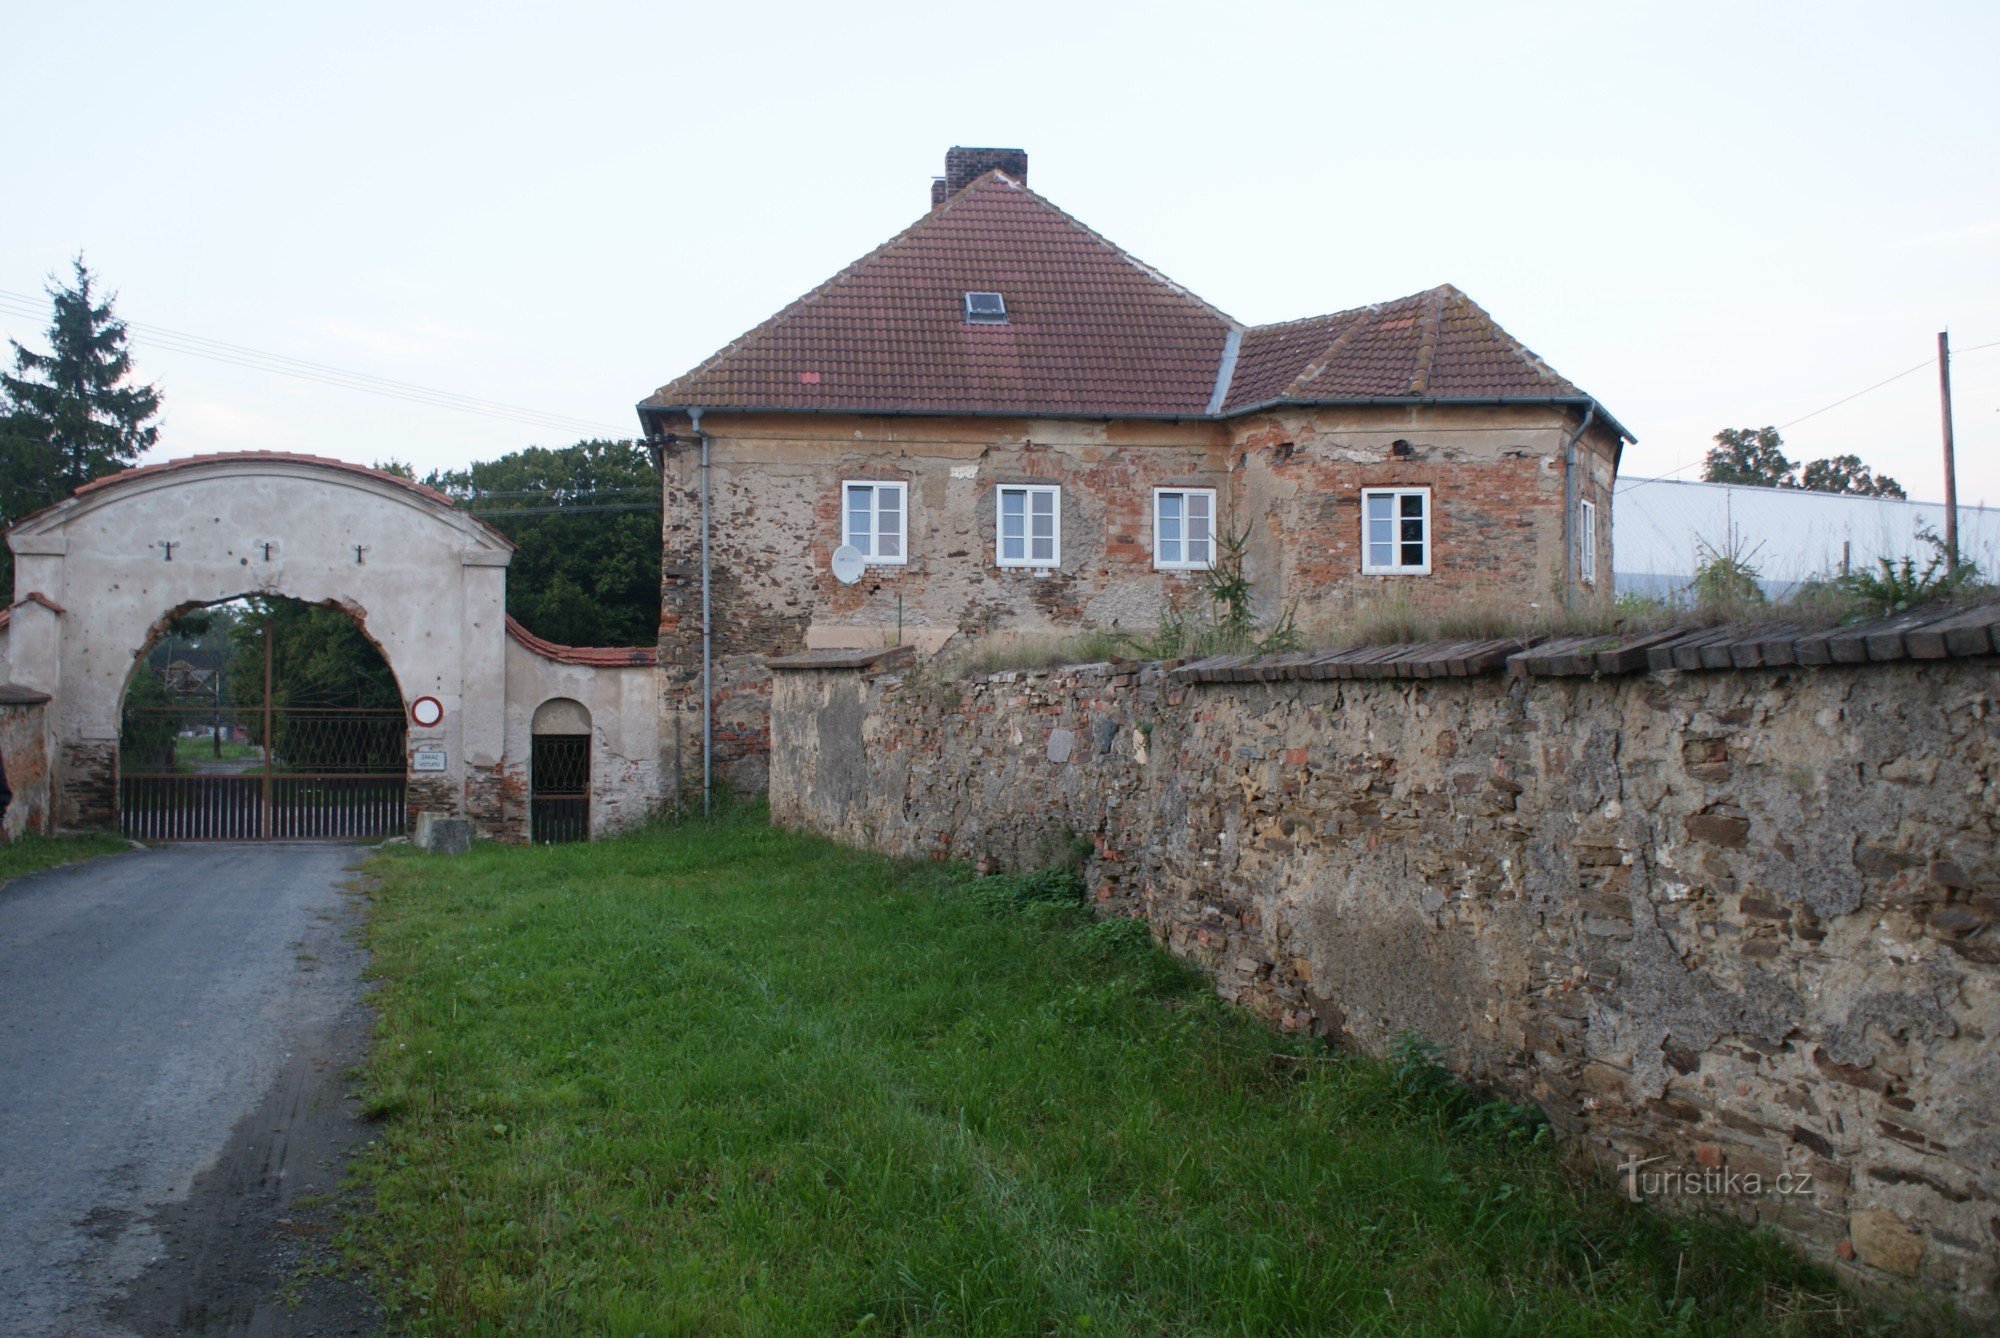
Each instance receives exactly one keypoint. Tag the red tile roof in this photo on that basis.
(1091, 333)
(1434, 345)
(596, 656)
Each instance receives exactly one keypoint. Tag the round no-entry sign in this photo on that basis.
(427, 711)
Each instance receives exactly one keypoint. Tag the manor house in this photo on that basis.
(1025, 431)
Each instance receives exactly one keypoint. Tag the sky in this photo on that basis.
(1706, 215)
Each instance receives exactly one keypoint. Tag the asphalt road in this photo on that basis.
(165, 1017)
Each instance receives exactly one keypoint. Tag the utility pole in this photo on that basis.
(1950, 466)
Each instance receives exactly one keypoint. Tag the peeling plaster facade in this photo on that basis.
(95, 580)
(1291, 479)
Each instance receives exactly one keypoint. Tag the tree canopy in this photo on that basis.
(72, 414)
(1755, 457)
(585, 523)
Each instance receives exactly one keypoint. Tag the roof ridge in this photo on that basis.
(1121, 252)
(1430, 326)
(1534, 360)
(1324, 316)
(1366, 316)
(763, 327)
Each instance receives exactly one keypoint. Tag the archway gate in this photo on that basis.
(259, 765)
(97, 578)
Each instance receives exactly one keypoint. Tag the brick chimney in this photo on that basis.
(963, 166)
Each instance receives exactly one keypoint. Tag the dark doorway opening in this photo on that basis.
(262, 719)
(559, 788)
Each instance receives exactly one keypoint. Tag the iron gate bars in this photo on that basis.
(559, 788)
(209, 771)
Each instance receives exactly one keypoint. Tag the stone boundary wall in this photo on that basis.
(24, 749)
(1738, 921)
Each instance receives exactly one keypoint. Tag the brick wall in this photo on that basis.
(1740, 922)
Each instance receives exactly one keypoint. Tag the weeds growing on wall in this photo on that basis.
(1220, 617)
(1896, 586)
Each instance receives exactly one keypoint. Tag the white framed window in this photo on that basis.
(1030, 525)
(1396, 531)
(1586, 542)
(874, 517)
(1183, 529)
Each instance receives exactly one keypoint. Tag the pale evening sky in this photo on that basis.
(1705, 214)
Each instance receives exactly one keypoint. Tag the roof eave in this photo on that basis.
(646, 407)
(863, 411)
(1407, 401)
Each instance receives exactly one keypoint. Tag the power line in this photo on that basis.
(561, 510)
(240, 355)
(1857, 394)
(1907, 371)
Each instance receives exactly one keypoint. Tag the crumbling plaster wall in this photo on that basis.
(1743, 922)
(1497, 490)
(427, 585)
(628, 772)
(1291, 479)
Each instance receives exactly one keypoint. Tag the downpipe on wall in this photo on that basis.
(707, 643)
(1569, 504)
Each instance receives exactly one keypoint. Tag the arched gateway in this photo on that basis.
(99, 574)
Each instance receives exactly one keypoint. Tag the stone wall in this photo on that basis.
(24, 749)
(1739, 922)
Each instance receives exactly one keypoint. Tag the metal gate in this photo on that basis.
(559, 788)
(195, 770)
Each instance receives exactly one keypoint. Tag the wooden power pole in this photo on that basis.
(1950, 466)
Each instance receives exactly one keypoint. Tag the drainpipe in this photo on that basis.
(1569, 502)
(707, 643)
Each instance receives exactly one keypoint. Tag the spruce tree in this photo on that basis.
(69, 415)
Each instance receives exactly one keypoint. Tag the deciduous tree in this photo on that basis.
(1755, 457)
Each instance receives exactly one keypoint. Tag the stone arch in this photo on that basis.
(560, 715)
(97, 573)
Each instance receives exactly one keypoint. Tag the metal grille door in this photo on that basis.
(559, 807)
(214, 771)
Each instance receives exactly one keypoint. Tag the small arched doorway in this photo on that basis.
(559, 774)
(262, 718)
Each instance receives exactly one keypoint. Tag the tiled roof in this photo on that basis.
(596, 656)
(1091, 332)
(1438, 344)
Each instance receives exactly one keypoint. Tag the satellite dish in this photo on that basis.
(848, 564)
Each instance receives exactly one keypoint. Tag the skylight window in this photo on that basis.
(985, 309)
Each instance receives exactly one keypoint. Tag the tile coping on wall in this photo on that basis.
(1945, 631)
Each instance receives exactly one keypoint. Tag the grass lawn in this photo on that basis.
(724, 1079)
(29, 853)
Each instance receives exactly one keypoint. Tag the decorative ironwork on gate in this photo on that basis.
(214, 770)
(559, 788)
